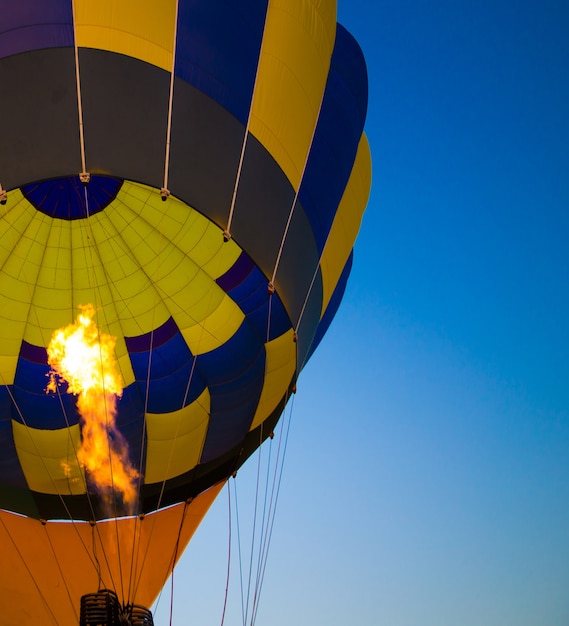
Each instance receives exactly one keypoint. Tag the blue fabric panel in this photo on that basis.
(172, 383)
(130, 407)
(34, 25)
(37, 408)
(235, 374)
(252, 297)
(333, 306)
(217, 49)
(247, 286)
(69, 199)
(130, 423)
(10, 469)
(337, 136)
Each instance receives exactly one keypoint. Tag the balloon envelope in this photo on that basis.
(228, 173)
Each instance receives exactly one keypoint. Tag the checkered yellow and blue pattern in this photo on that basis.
(264, 106)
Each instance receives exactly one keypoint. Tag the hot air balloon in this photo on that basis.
(195, 171)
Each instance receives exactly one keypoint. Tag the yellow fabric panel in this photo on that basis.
(143, 29)
(15, 305)
(185, 227)
(171, 241)
(37, 589)
(8, 366)
(293, 68)
(27, 255)
(52, 287)
(52, 255)
(212, 254)
(48, 458)
(280, 366)
(10, 342)
(123, 363)
(14, 221)
(175, 440)
(346, 223)
(125, 281)
(217, 328)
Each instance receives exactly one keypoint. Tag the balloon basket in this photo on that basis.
(104, 609)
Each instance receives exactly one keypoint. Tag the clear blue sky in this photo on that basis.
(427, 474)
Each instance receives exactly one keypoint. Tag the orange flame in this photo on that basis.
(84, 358)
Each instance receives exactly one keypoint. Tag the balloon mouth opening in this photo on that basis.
(69, 198)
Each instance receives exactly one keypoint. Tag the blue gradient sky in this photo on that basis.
(427, 473)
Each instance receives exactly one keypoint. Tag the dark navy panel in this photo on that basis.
(235, 374)
(204, 153)
(153, 339)
(39, 123)
(252, 296)
(247, 286)
(173, 381)
(237, 273)
(130, 407)
(299, 261)
(350, 66)
(125, 116)
(217, 49)
(337, 136)
(67, 198)
(332, 307)
(34, 24)
(262, 207)
(130, 423)
(36, 407)
(308, 324)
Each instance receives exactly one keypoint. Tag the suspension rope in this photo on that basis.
(73, 608)
(36, 584)
(250, 603)
(165, 192)
(273, 510)
(263, 533)
(254, 521)
(84, 173)
(228, 553)
(175, 556)
(227, 233)
(295, 199)
(308, 294)
(239, 552)
(94, 548)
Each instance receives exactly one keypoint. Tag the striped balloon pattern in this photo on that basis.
(197, 170)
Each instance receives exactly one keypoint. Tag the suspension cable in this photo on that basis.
(36, 584)
(273, 509)
(73, 607)
(227, 233)
(295, 199)
(259, 453)
(228, 553)
(165, 192)
(175, 557)
(83, 174)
